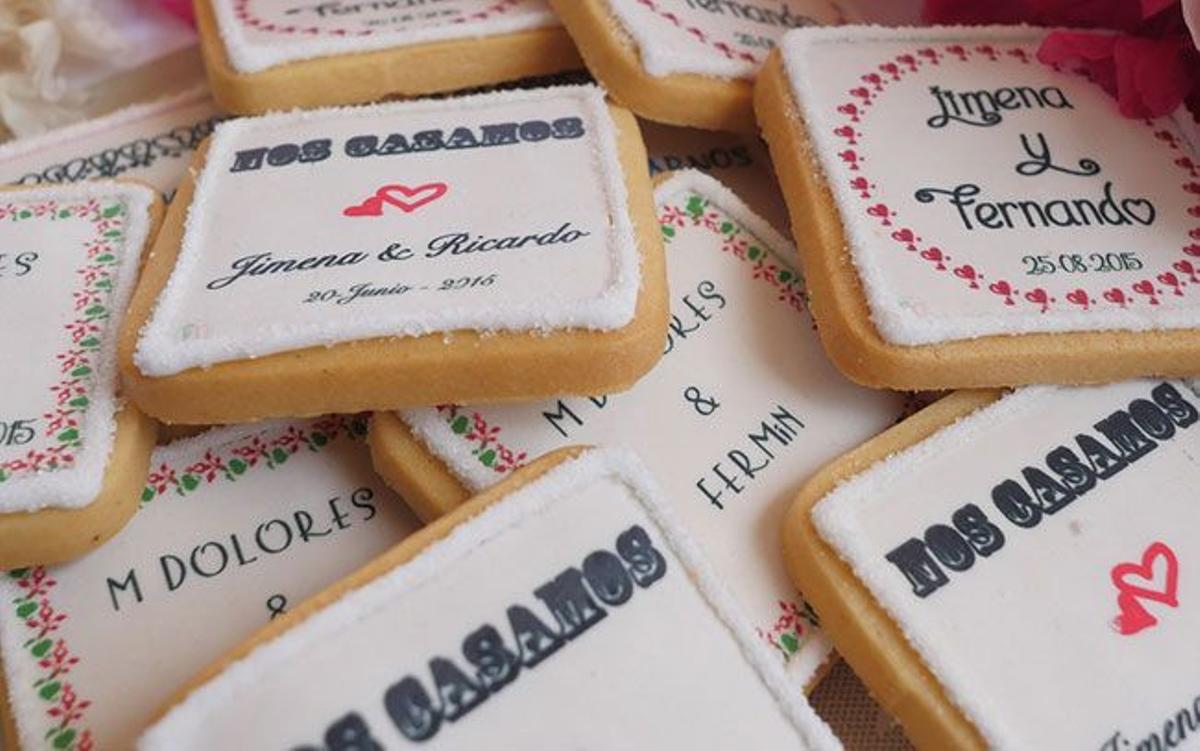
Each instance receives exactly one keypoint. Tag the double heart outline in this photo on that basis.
(1133, 616)
(407, 199)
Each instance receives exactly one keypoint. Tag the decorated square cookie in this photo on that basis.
(991, 556)
(979, 218)
(564, 607)
(492, 247)
(686, 62)
(236, 527)
(73, 455)
(277, 54)
(741, 409)
(153, 142)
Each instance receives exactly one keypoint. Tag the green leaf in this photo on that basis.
(488, 457)
(668, 230)
(754, 252)
(96, 310)
(79, 402)
(148, 494)
(26, 214)
(49, 690)
(727, 227)
(237, 466)
(104, 257)
(19, 573)
(695, 205)
(68, 435)
(189, 482)
(113, 233)
(279, 455)
(460, 424)
(103, 284)
(785, 276)
(90, 342)
(41, 648)
(319, 438)
(790, 643)
(81, 371)
(26, 609)
(112, 211)
(64, 739)
(64, 213)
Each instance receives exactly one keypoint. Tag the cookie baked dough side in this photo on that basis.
(406, 464)
(393, 372)
(417, 70)
(678, 99)
(851, 339)
(862, 632)
(54, 535)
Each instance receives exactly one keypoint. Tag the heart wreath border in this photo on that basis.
(244, 14)
(892, 71)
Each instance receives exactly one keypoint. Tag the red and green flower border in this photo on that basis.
(795, 621)
(65, 708)
(77, 356)
(1181, 277)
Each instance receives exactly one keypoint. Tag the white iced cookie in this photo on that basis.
(535, 615)
(979, 218)
(73, 455)
(266, 55)
(994, 554)
(236, 527)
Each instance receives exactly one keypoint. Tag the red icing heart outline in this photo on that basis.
(1133, 616)
(400, 196)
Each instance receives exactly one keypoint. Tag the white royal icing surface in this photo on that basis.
(68, 262)
(723, 39)
(561, 182)
(138, 618)
(740, 338)
(631, 678)
(1028, 639)
(883, 140)
(261, 34)
(153, 142)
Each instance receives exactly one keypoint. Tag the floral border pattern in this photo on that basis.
(66, 709)
(76, 360)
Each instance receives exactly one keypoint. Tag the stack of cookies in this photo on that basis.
(465, 372)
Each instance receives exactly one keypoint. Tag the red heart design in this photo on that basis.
(965, 272)
(1192, 250)
(1078, 297)
(849, 109)
(861, 92)
(1185, 162)
(1001, 288)
(932, 254)
(1141, 581)
(1039, 297)
(1194, 234)
(1184, 267)
(1168, 279)
(846, 131)
(1143, 288)
(402, 197)
(1115, 295)
(1192, 187)
(904, 235)
(373, 206)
